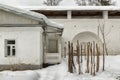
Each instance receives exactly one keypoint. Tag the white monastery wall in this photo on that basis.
(73, 27)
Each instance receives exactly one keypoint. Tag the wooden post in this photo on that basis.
(81, 53)
(103, 57)
(77, 51)
(97, 60)
(72, 57)
(85, 51)
(71, 68)
(64, 52)
(69, 56)
(88, 49)
(94, 58)
(78, 58)
(91, 51)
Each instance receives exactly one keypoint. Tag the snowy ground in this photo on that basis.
(59, 72)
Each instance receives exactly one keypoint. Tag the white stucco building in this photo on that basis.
(23, 35)
(81, 23)
(30, 39)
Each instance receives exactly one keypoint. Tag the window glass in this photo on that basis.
(10, 48)
(11, 42)
(53, 46)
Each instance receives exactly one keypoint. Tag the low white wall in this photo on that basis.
(28, 45)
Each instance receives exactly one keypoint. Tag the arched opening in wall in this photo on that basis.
(84, 38)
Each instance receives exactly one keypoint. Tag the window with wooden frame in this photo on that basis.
(53, 46)
(10, 49)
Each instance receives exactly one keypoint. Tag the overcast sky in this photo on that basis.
(40, 2)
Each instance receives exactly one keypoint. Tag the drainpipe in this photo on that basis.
(44, 27)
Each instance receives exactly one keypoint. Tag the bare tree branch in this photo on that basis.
(102, 30)
(52, 2)
(95, 2)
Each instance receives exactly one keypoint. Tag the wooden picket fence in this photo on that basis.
(92, 51)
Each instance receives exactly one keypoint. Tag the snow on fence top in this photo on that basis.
(61, 8)
(33, 15)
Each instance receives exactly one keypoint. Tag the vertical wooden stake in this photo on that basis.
(88, 48)
(94, 58)
(91, 51)
(71, 60)
(85, 51)
(81, 53)
(64, 52)
(103, 57)
(97, 60)
(69, 57)
(72, 56)
(78, 58)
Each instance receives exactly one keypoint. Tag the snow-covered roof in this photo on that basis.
(61, 8)
(30, 14)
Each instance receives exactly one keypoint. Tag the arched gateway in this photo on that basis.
(85, 37)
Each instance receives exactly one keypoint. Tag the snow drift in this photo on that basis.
(60, 72)
(19, 75)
